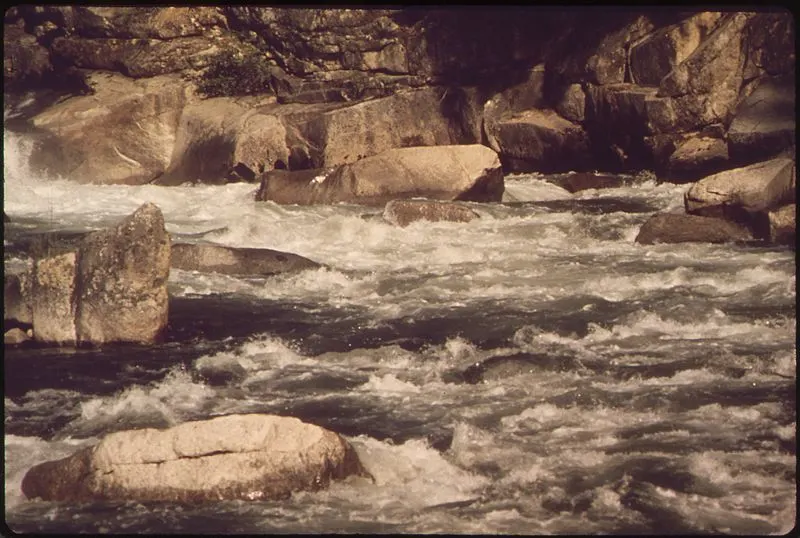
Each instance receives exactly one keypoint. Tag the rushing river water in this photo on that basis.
(644, 389)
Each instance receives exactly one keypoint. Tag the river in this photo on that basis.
(628, 388)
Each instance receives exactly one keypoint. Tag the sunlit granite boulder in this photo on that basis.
(111, 288)
(236, 261)
(468, 172)
(245, 457)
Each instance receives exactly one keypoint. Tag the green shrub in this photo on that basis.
(230, 74)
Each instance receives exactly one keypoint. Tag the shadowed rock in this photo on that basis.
(682, 228)
(782, 225)
(236, 261)
(404, 212)
(236, 457)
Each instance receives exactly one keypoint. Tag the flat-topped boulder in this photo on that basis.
(234, 457)
(404, 212)
(236, 261)
(753, 188)
(464, 172)
(683, 228)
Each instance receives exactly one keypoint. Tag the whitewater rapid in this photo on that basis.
(659, 392)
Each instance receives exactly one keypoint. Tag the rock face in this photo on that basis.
(470, 173)
(404, 212)
(236, 261)
(124, 133)
(765, 122)
(242, 457)
(121, 280)
(16, 298)
(682, 228)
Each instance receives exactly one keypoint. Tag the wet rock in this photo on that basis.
(580, 181)
(469, 172)
(235, 457)
(53, 299)
(541, 140)
(656, 55)
(15, 336)
(236, 261)
(124, 133)
(404, 212)
(138, 22)
(753, 188)
(697, 157)
(121, 281)
(503, 367)
(765, 122)
(782, 225)
(682, 228)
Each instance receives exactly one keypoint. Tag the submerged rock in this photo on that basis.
(404, 212)
(682, 228)
(470, 172)
(237, 457)
(236, 261)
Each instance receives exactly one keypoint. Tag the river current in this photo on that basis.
(627, 388)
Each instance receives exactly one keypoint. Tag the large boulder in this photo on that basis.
(753, 188)
(541, 140)
(697, 156)
(765, 122)
(236, 261)
(469, 172)
(124, 133)
(235, 457)
(404, 212)
(53, 299)
(217, 136)
(121, 281)
(683, 228)
(656, 55)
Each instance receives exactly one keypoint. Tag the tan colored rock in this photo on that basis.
(404, 212)
(682, 228)
(655, 56)
(215, 135)
(124, 133)
(122, 281)
(244, 457)
(15, 336)
(752, 188)
(783, 225)
(697, 157)
(236, 261)
(468, 172)
(138, 22)
(53, 299)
